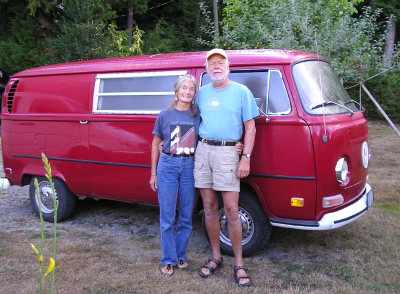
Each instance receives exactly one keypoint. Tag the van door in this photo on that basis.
(125, 108)
(282, 162)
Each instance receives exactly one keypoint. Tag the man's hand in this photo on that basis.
(243, 168)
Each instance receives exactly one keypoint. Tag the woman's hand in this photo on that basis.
(239, 147)
(160, 147)
(153, 183)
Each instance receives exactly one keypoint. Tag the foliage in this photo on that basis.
(86, 31)
(388, 7)
(327, 28)
(171, 26)
(18, 45)
(159, 40)
(45, 5)
(386, 90)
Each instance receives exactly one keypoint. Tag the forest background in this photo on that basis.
(359, 38)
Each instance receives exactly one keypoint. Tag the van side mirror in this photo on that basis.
(259, 103)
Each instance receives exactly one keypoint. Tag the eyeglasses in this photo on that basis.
(219, 63)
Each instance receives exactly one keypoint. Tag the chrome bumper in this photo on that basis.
(335, 219)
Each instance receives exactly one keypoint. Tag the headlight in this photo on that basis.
(341, 170)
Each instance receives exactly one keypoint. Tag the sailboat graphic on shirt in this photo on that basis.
(182, 139)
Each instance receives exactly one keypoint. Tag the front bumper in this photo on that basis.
(332, 220)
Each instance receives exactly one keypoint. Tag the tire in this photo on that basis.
(255, 224)
(66, 200)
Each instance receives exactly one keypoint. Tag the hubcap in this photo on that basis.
(247, 226)
(46, 197)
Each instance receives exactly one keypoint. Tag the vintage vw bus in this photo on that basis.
(94, 121)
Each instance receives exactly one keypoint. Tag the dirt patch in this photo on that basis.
(114, 247)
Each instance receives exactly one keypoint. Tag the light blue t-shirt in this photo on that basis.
(223, 111)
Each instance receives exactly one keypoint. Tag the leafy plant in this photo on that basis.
(353, 46)
(39, 253)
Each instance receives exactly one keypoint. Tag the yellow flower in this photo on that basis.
(50, 268)
(34, 249)
(41, 259)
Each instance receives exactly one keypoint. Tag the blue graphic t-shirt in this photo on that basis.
(178, 131)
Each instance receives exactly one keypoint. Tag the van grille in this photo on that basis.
(11, 94)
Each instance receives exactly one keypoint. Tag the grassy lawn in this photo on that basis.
(110, 247)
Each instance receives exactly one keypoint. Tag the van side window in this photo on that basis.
(134, 93)
(266, 85)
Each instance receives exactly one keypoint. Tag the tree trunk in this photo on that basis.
(44, 25)
(215, 5)
(390, 39)
(130, 24)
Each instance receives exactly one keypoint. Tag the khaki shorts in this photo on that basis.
(216, 167)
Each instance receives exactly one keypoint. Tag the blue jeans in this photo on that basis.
(175, 174)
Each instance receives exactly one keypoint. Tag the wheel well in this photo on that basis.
(26, 179)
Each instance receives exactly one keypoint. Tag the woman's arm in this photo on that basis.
(155, 153)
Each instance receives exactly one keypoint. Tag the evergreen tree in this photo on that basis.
(19, 38)
(86, 30)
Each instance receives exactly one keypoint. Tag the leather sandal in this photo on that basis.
(167, 270)
(182, 264)
(238, 278)
(210, 268)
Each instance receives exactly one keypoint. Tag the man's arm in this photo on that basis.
(249, 138)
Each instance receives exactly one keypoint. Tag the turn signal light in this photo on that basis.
(332, 201)
(298, 202)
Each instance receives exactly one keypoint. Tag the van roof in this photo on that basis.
(167, 62)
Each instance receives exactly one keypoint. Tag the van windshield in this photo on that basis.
(320, 90)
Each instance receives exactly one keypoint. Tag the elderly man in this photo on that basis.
(225, 106)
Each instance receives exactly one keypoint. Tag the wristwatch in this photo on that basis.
(247, 155)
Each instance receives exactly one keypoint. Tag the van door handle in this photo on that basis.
(83, 122)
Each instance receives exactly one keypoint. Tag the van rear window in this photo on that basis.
(134, 93)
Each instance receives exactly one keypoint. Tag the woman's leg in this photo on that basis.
(187, 195)
(167, 181)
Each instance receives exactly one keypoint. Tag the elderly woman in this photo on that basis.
(177, 127)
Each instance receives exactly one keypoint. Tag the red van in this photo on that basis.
(94, 121)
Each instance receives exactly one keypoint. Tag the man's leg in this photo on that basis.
(231, 200)
(210, 203)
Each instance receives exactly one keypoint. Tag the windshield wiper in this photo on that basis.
(362, 109)
(331, 103)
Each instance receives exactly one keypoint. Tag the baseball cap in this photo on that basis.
(216, 51)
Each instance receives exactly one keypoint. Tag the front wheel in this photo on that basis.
(66, 200)
(256, 229)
